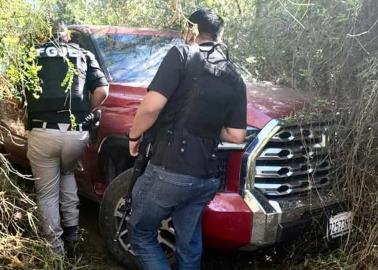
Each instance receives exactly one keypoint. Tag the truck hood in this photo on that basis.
(266, 101)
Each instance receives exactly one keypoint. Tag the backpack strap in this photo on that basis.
(193, 68)
(223, 48)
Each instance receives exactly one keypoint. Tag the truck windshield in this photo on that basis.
(133, 58)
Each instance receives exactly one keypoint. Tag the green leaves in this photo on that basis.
(67, 84)
(70, 75)
(209, 3)
(23, 74)
(21, 26)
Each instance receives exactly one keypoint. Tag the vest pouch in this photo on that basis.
(187, 154)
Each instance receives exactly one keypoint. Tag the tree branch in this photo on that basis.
(239, 8)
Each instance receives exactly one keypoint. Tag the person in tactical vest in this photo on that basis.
(72, 84)
(196, 99)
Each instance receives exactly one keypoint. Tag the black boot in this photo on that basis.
(71, 238)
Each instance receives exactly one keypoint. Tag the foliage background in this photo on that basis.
(325, 47)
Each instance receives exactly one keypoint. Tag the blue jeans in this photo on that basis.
(157, 195)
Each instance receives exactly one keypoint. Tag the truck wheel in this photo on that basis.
(111, 171)
(112, 208)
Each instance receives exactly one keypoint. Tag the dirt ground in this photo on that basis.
(93, 248)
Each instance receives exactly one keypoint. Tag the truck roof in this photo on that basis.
(107, 29)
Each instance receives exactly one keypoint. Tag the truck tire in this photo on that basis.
(110, 172)
(111, 210)
(112, 207)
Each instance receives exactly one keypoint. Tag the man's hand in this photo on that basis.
(233, 135)
(134, 148)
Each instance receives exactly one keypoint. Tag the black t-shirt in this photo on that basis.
(193, 154)
(52, 105)
(95, 77)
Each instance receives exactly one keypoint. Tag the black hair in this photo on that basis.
(60, 31)
(58, 26)
(208, 22)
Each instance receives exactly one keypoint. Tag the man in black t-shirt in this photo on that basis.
(196, 99)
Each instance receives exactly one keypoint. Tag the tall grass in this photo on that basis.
(21, 244)
(358, 152)
(355, 152)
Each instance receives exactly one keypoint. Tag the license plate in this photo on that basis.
(339, 225)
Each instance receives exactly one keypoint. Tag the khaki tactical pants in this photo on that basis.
(53, 155)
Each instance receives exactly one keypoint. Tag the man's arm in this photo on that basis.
(233, 135)
(95, 81)
(99, 95)
(146, 115)
(162, 87)
(234, 128)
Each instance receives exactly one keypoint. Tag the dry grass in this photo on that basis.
(21, 245)
(358, 159)
(355, 156)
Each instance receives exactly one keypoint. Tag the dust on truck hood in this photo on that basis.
(266, 101)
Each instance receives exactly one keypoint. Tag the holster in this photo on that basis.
(94, 124)
(140, 164)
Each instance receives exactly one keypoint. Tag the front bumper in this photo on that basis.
(277, 220)
(281, 176)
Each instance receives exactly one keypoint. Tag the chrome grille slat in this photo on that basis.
(301, 178)
(312, 178)
(302, 133)
(294, 160)
(287, 153)
(286, 189)
(274, 171)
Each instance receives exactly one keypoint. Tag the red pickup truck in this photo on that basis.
(275, 185)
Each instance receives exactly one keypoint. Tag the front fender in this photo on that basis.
(114, 151)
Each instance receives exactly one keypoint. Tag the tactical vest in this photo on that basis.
(55, 100)
(187, 132)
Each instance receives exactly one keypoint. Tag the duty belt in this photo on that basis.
(78, 127)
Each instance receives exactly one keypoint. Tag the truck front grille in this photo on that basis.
(296, 159)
